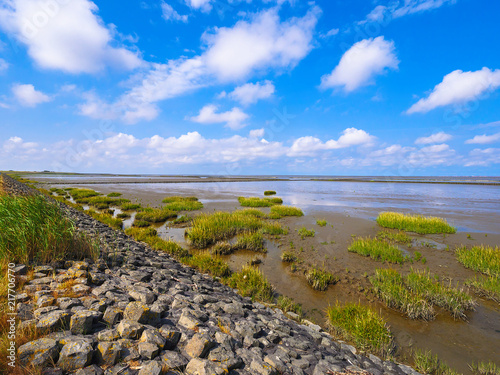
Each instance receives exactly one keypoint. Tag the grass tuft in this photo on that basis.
(362, 326)
(182, 203)
(109, 220)
(141, 223)
(127, 206)
(399, 236)
(155, 215)
(222, 248)
(414, 223)
(277, 212)
(485, 368)
(428, 364)
(320, 279)
(269, 192)
(487, 287)
(377, 250)
(114, 195)
(304, 232)
(321, 223)
(253, 241)
(287, 304)
(273, 228)
(259, 202)
(288, 257)
(250, 282)
(206, 263)
(485, 259)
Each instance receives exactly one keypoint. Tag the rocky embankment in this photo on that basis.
(138, 311)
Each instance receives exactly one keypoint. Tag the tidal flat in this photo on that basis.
(350, 209)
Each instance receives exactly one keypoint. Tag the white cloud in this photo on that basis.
(17, 144)
(458, 87)
(259, 44)
(257, 133)
(28, 96)
(169, 13)
(361, 63)
(251, 93)
(203, 5)
(64, 35)
(432, 155)
(376, 15)
(440, 137)
(233, 119)
(330, 33)
(417, 6)
(310, 146)
(4, 65)
(484, 139)
(483, 157)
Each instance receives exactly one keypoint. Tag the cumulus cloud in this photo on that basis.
(65, 35)
(203, 5)
(440, 137)
(17, 144)
(361, 63)
(251, 93)
(170, 14)
(233, 119)
(310, 146)
(458, 87)
(27, 96)
(484, 139)
(432, 155)
(483, 157)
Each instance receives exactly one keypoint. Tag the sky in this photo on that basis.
(235, 87)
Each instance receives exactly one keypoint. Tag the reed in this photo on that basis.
(485, 368)
(252, 241)
(414, 223)
(485, 259)
(288, 257)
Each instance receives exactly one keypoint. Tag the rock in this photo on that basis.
(44, 269)
(199, 366)
(45, 301)
(41, 352)
(90, 370)
(112, 315)
(187, 320)
(262, 368)
(142, 294)
(152, 368)
(174, 361)
(171, 335)
(80, 289)
(234, 308)
(108, 335)
(130, 329)
(52, 371)
(97, 278)
(153, 336)
(199, 345)
(53, 321)
(81, 322)
(20, 269)
(120, 369)
(22, 297)
(24, 311)
(148, 350)
(75, 355)
(139, 312)
(44, 310)
(66, 303)
(108, 353)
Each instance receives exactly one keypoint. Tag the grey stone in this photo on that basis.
(108, 353)
(108, 335)
(81, 322)
(53, 321)
(174, 360)
(148, 350)
(120, 369)
(153, 336)
(45, 301)
(199, 345)
(130, 329)
(66, 303)
(142, 294)
(41, 352)
(112, 315)
(187, 320)
(171, 335)
(75, 355)
(152, 368)
(141, 313)
(90, 370)
(199, 366)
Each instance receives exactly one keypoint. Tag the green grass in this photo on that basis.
(155, 215)
(399, 236)
(101, 202)
(487, 287)
(377, 250)
(82, 193)
(141, 234)
(206, 263)
(288, 257)
(222, 248)
(359, 324)
(250, 282)
(273, 228)
(278, 212)
(173, 199)
(304, 232)
(130, 206)
(485, 259)
(269, 192)
(259, 202)
(389, 286)
(320, 279)
(208, 229)
(457, 302)
(182, 203)
(114, 195)
(150, 236)
(428, 364)
(107, 219)
(322, 223)
(33, 229)
(123, 215)
(182, 219)
(251, 211)
(414, 223)
(141, 223)
(485, 368)
(253, 241)
(287, 304)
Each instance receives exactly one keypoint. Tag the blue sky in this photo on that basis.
(334, 87)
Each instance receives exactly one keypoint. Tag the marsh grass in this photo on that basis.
(414, 223)
(251, 211)
(34, 229)
(141, 223)
(207, 229)
(259, 202)
(304, 232)
(277, 212)
(322, 223)
(485, 368)
(109, 220)
(182, 219)
(429, 364)
(182, 203)
(114, 195)
(101, 202)
(269, 192)
(127, 206)
(399, 236)
(319, 279)
(251, 282)
(207, 263)
(155, 215)
(123, 215)
(485, 259)
(287, 304)
(362, 326)
(273, 228)
(377, 250)
(150, 236)
(456, 301)
(82, 193)
(487, 287)
(252, 241)
(222, 248)
(288, 257)
(389, 286)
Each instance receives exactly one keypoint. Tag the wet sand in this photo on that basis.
(457, 342)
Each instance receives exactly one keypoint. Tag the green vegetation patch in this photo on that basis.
(150, 236)
(250, 282)
(141, 223)
(109, 220)
(377, 250)
(485, 259)
(114, 195)
(389, 286)
(277, 212)
(485, 368)
(206, 263)
(269, 192)
(399, 236)
(362, 326)
(33, 229)
(253, 241)
(82, 193)
(304, 232)
(182, 203)
(322, 223)
(273, 228)
(155, 215)
(222, 248)
(487, 287)
(182, 219)
(288, 257)
(259, 202)
(287, 304)
(130, 206)
(429, 364)
(414, 223)
(320, 279)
